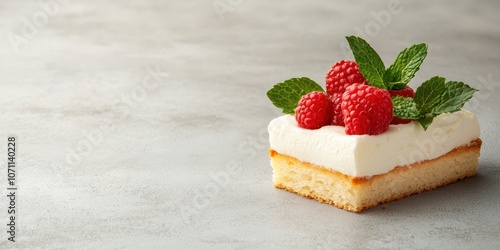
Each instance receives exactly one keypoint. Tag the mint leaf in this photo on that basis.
(287, 94)
(405, 108)
(435, 97)
(405, 66)
(430, 94)
(425, 122)
(370, 64)
(454, 98)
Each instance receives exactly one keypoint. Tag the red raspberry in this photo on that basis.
(366, 110)
(314, 110)
(406, 92)
(342, 74)
(337, 117)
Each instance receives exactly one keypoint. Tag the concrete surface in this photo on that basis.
(142, 124)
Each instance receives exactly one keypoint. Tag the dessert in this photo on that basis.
(376, 140)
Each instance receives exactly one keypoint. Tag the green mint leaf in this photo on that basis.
(370, 64)
(287, 94)
(454, 98)
(430, 94)
(405, 66)
(405, 108)
(425, 122)
(435, 97)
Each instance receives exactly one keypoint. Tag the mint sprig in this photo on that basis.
(434, 97)
(372, 67)
(286, 95)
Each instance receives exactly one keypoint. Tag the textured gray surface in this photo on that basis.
(143, 124)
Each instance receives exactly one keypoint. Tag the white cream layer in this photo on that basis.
(365, 155)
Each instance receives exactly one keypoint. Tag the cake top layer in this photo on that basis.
(365, 155)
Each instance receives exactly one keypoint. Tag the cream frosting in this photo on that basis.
(366, 155)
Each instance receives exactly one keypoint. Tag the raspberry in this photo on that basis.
(337, 117)
(314, 110)
(342, 74)
(406, 92)
(366, 110)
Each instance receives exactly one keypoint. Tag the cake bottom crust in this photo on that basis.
(356, 194)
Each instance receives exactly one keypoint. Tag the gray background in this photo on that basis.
(111, 157)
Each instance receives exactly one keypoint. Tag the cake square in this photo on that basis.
(370, 138)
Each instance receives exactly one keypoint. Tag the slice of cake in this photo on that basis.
(370, 138)
(356, 172)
